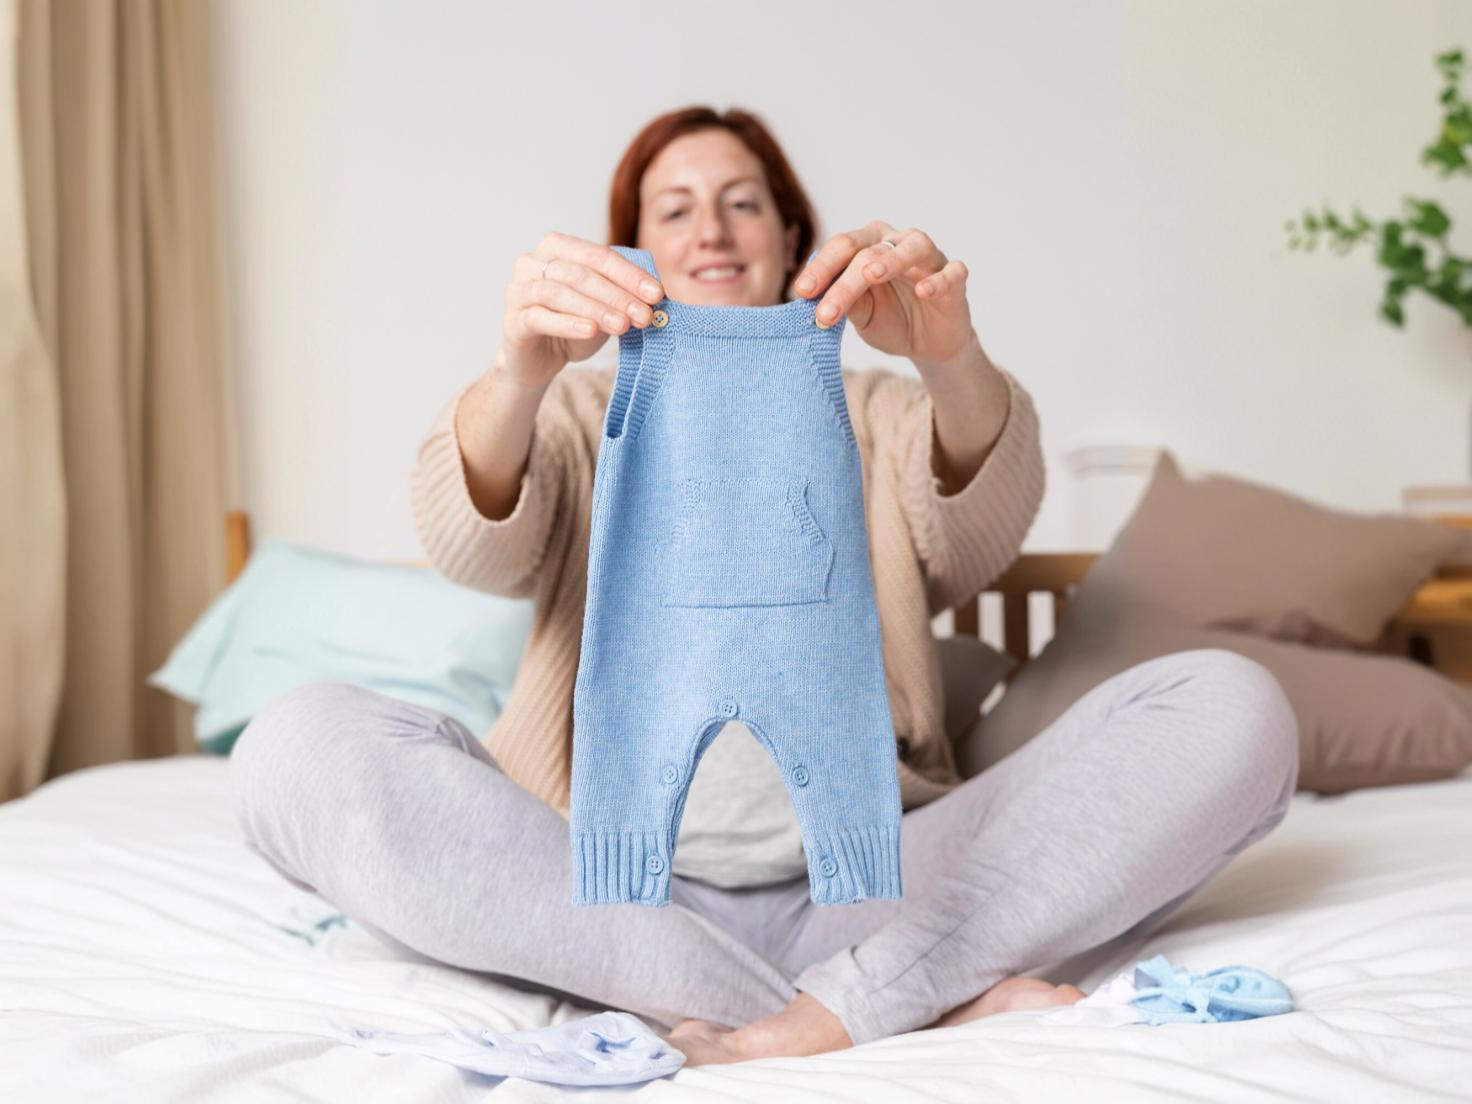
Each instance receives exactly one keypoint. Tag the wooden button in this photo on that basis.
(661, 318)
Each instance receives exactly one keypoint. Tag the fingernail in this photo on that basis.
(640, 314)
(828, 311)
(650, 289)
(612, 321)
(806, 283)
(874, 270)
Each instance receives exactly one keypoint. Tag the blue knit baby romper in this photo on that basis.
(728, 576)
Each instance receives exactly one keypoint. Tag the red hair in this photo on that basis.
(793, 206)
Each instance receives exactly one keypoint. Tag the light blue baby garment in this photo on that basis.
(610, 1048)
(1174, 994)
(729, 577)
(1155, 992)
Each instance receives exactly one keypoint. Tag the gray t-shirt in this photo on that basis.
(738, 827)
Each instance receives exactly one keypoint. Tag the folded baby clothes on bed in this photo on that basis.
(1155, 992)
(729, 578)
(610, 1048)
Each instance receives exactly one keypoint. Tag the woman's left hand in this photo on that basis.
(905, 299)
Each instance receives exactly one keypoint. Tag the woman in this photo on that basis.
(458, 850)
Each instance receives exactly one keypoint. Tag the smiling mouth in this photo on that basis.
(715, 274)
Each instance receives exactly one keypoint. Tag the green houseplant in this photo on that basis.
(1406, 245)
(1414, 250)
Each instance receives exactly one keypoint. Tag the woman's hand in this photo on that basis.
(564, 300)
(905, 299)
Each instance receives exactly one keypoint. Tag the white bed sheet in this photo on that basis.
(146, 953)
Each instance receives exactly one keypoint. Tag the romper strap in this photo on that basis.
(643, 359)
(823, 357)
(630, 352)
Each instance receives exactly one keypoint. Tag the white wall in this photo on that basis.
(1116, 177)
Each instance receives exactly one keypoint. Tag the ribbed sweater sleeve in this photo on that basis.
(965, 540)
(500, 557)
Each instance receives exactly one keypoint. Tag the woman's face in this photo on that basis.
(705, 208)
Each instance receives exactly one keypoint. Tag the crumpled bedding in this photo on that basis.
(147, 954)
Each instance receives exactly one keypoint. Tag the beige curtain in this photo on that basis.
(127, 377)
(32, 501)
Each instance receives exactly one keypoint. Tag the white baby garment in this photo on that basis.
(1107, 1006)
(610, 1048)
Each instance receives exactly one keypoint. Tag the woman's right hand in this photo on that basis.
(566, 297)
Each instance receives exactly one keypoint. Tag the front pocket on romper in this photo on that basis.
(745, 541)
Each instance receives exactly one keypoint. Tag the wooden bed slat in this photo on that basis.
(237, 543)
(1441, 604)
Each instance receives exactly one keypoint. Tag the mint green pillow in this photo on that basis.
(297, 615)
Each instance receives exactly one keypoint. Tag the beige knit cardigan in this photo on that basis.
(929, 552)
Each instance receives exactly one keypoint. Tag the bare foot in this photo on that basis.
(1013, 994)
(804, 1027)
(704, 1043)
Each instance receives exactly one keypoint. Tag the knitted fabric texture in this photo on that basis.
(729, 576)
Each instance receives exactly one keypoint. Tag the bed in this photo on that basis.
(147, 954)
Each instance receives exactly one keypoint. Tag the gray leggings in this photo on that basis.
(1101, 824)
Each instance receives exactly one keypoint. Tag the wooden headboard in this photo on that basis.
(1440, 606)
(1440, 603)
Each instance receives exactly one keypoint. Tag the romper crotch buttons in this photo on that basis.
(654, 864)
(669, 775)
(728, 707)
(800, 775)
(828, 867)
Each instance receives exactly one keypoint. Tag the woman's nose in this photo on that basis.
(712, 227)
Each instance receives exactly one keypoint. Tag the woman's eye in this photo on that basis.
(749, 204)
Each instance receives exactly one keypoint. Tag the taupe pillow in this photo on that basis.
(1364, 719)
(969, 669)
(1238, 555)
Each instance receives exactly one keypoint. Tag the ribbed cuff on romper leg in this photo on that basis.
(611, 866)
(848, 865)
